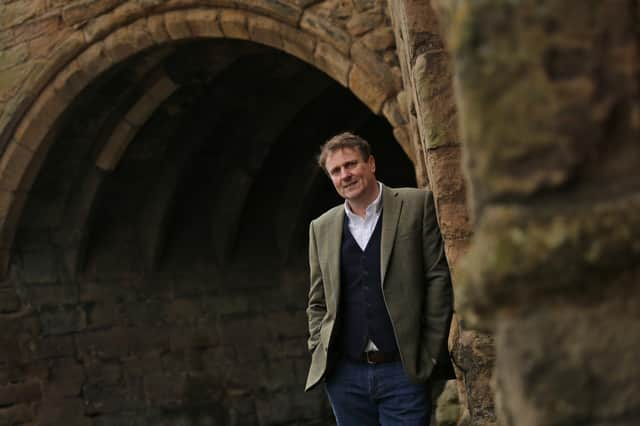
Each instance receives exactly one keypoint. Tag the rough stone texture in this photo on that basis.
(429, 99)
(544, 124)
(549, 100)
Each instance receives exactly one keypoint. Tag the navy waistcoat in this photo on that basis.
(363, 314)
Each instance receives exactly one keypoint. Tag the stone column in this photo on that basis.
(428, 96)
(548, 96)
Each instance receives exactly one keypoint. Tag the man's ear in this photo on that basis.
(372, 163)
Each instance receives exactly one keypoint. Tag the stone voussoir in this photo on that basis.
(393, 113)
(332, 62)
(34, 127)
(157, 29)
(204, 23)
(13, 165)
(177, 26)
(104, 24)
(93, 61)
(322, 27)
(265, 31)
(128, 41)
(234, 24)
(298, 43)
(279, 10)
(365, 88)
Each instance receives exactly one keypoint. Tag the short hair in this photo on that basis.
(343, 140)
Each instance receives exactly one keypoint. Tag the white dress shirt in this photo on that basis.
(362, 227)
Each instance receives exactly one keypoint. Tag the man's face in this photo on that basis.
(353, 177)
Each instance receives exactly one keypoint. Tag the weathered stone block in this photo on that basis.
(99, 373)
(114, 149)
(454, 219)
(176, 24)
(141, 110)
(45, 347)
(445, 169)
(13, 56)
(454, 250)
(434, 94)
(83, 11)
(323, 27)
(71, 80)
(13, 393)
(17, 414)
(157, 29)
(12, 78)
(378, 71)
(298, 43)
(15, 13)
(34, 127)
(281, 10)
(131, 39)
(162, 88)
(104, 24)
(392, 111)
(332, 62)
(93, 61)
(379, 39)
(163, 388)
(371, 94)
(360, 23)
(62, 320)
(265, 31)
(102, 314)
(65, 379)
(234, 24)
(204, 23)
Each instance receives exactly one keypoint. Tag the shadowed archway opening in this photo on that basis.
(165, 236)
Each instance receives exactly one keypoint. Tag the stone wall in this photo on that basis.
(549, 103)
(158, 274)
(427, 76)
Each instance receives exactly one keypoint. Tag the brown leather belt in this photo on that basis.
(378, 357)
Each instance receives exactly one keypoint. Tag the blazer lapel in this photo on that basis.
(334, 242)
(391, 207)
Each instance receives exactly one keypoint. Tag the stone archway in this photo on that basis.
(59, 360)
(112, 37)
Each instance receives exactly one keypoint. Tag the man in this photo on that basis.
(380, 299)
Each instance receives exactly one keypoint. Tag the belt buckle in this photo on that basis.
(369, 361)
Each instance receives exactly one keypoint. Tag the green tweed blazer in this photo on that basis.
(415, 281)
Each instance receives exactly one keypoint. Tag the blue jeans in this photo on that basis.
(372, 395)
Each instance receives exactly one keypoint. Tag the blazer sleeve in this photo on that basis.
(316, 308)
(439, 293)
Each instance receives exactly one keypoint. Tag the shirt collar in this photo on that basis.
(371, 209)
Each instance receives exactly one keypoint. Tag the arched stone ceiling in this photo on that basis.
(353, 45)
